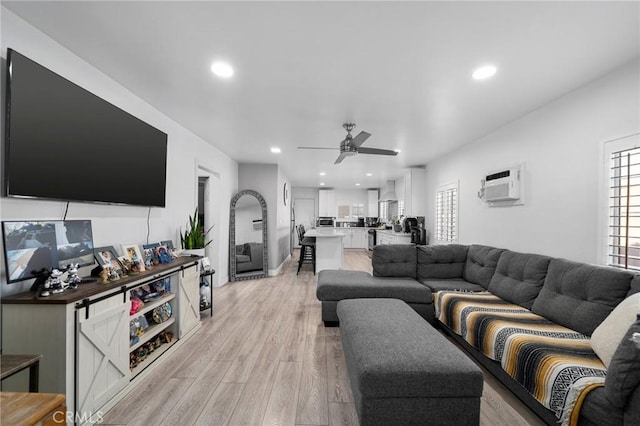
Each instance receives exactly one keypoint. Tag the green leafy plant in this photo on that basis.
(194, 237)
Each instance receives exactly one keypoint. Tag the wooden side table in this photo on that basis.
(21, 408)
(12, 364)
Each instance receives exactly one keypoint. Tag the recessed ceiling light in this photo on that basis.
(275, 150)
(357, 184)
(321, 183)
(222, 69)
(323, 174)
(369, 174)
(484, 72)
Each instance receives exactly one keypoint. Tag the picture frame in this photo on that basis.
(150, 253)
(133, 253)
(107, 257)
(168, 244)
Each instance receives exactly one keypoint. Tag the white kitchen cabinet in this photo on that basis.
(360, 238)
(347, 241)
(414, 195)
(327, 203)
(372, 202)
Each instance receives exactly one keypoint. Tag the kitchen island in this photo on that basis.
(329, 247)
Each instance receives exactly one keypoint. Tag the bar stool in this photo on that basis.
(307, 249)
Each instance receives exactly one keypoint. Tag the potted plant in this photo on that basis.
(194, 239)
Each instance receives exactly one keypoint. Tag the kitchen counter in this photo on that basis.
(326, 232)
(329, 247)
(388, 236)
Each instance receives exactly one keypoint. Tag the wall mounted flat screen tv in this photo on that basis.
(33, 248)
(65, 143)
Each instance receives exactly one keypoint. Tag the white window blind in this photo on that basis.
(446, 226)
(624, 209)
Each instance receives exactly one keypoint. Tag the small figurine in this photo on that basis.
(55, 283)
(163, 254)
(73, 278)
(113, 274)
(104, 275)
(148, 254)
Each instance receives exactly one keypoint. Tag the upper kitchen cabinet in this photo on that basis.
(372, 202)
(414, 195)
(327, 203)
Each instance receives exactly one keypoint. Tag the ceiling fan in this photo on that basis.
(351, 146)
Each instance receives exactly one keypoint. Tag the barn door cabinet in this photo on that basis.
(85, 335)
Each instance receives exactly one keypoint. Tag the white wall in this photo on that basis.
(113, 225)
(560, 145)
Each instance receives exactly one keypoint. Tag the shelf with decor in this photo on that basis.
(151, 305)
(93, 322)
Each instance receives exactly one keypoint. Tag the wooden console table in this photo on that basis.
(20, 408)
(12, 364)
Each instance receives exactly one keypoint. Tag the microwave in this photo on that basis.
(326, 221)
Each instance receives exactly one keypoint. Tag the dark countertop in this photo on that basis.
(87, 290)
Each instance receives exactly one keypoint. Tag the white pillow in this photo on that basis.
(608, 335)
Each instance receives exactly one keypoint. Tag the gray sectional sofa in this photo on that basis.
(571, 298)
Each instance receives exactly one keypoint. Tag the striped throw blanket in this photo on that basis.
(555, 364)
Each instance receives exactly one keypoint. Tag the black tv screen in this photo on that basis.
(65, 143)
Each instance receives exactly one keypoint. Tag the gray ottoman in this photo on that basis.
(402, 371)
(336, 285)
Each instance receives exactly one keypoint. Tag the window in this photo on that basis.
(388, 210)
(624, 209)
(446, 227)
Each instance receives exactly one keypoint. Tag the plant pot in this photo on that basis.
(197, 252)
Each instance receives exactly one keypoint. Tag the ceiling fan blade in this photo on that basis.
(359, 140)
(376, 151)
(315, 147)
(340, 158)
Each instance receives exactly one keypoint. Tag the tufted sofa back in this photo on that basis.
(580, 296)
(481, 264)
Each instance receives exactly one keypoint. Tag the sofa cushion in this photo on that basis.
(580, 296)
(608, 335)
(240, 258)
(623, 374)
(394, 260)
(459, 284)
(339, 285)
(519, 277)
(480, 264)
(635, 285)
(441, 261)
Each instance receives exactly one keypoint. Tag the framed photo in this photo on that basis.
(168, 244)
(150, 254)
(107, 258)
(132, 252)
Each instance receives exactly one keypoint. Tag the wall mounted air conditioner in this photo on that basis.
(503, 185)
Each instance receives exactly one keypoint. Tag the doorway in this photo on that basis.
(208, 197)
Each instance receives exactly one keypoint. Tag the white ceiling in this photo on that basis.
(399, 70)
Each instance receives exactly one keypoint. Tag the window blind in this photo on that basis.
(446, 226)
(624, 209)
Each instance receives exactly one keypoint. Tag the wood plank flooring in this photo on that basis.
(265, 358)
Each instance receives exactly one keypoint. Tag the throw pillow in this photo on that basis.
(608, 335)
(623, 374)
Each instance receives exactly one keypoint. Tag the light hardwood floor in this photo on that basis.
(265, 358)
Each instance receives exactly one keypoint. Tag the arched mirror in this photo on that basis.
(248, 254)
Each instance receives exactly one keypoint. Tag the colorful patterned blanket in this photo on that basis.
(555, 364)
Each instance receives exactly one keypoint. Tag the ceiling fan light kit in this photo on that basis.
(350, 146)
